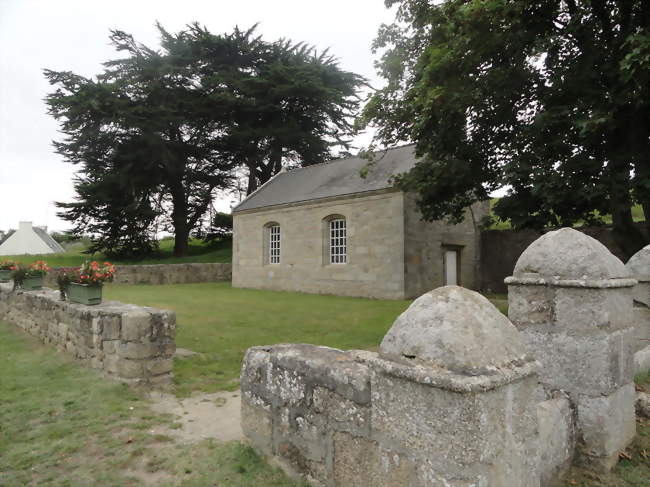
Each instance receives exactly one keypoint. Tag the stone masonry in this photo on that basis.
(571, 299)
(639, 267)
(130, 343)
(165, 274)
(457, 395)
(392, 252)
(449, 400)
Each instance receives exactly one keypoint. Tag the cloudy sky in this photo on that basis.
(73, 35)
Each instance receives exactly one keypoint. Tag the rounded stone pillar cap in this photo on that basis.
(639, 264)
(569, 254)
(456, 329)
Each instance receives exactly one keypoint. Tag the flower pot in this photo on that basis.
(5, 275)
(84, 294)
(32, 283)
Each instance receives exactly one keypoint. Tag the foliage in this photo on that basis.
(63, 280)
(8, 265)
(20, 272)
(159, 132)
(37, 269)
(93, 273)
(549, 98)
(65, 237)
(220, 227)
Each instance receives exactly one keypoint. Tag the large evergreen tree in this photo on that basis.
(158, 132)
(548, 97)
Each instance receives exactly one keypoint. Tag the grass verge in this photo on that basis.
(63, 425)
(198, 252)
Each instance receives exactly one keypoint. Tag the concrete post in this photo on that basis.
(572, 301)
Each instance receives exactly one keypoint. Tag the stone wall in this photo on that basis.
(375, 246)
(425, 244)
(165, 274)
(391, 252)
(500, 250)
(458, 394)
(427, 410)
(130, 343)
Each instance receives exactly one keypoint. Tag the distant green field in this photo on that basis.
(199, 251)
(637, 215)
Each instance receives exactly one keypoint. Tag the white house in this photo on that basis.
(29, 240)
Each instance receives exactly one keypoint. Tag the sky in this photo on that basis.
(72, 35)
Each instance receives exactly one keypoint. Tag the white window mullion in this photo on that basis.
(338, 241)
(274, 244)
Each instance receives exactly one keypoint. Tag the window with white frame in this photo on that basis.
(274, 244)
(338, 241)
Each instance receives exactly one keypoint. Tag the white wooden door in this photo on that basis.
(451, 267)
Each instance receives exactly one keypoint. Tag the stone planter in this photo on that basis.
(5, 275)
(84, 294)
(32, 283)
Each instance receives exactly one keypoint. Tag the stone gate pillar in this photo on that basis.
(572, 301)
(639, 267)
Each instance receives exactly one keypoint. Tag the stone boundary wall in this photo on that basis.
(500, 250)
(458, 394)
(165, 274)
(130, 343)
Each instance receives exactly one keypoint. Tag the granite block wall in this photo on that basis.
(129, 343)
(165, 274)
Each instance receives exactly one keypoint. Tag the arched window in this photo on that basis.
(336, 239)
(272, 240)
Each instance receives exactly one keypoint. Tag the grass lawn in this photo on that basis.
(221, 322)
(63, 425)
(199, 251)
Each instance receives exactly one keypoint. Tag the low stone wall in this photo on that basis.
(130, 343)
(165, 274)
(401, 417)
(458, 394)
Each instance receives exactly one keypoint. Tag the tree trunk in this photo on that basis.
(252, 180)
(626, 234)
(180, 220)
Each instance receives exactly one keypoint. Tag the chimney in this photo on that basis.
(25, 225)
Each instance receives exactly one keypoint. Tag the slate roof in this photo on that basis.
(334, 178)
(49, 241)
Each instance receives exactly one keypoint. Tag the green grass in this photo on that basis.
(199, 251)
(63, 425)
(637, 216)
(221, 322)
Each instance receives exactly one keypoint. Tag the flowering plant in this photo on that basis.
(8, 265)
(94, 274)
(38, 268)
(64, 278)
(19, 272)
